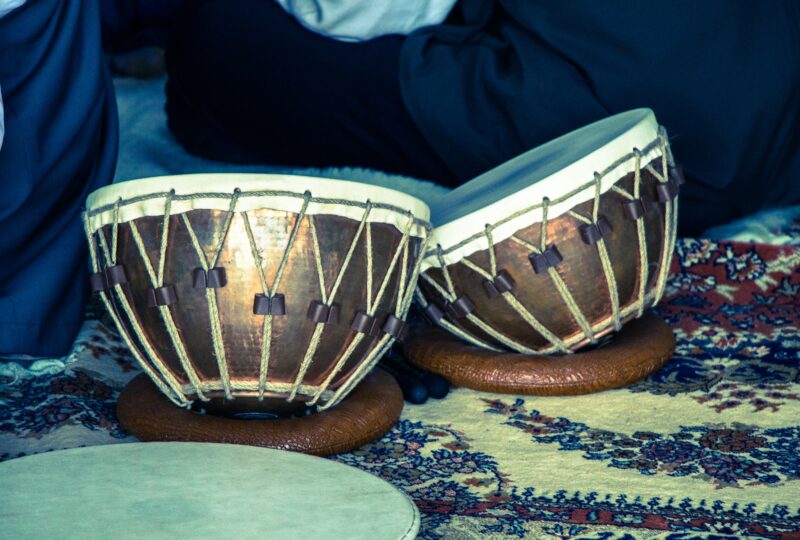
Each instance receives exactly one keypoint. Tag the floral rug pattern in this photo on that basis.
(708, 447)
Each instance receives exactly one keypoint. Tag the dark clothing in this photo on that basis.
(722, 76)
(60, 144)
(249, 84)
(132, 24)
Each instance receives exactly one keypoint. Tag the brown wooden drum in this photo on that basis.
(259, 289)
(560, 246)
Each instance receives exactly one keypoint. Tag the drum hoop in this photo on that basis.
(123, 210)
(505, 227)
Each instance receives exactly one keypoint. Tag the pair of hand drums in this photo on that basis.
(248, 294)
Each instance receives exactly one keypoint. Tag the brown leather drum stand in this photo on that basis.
(639, 349)
(365, 415)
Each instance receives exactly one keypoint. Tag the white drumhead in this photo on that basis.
(146, 197)
(563, 166)
(197, 491)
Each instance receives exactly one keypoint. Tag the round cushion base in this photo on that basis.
(365, 415)
(639, 349)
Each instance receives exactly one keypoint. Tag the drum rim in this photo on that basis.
(612, 161)
(144, 197)
(135, 450)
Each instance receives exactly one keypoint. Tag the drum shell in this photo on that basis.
(581, 270)
(242, 330)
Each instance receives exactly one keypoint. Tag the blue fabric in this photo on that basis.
(504, 76)
(288, 96)
(60, 144)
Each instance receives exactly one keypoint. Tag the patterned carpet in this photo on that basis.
(708, 447)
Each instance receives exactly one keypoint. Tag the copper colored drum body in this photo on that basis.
(473, 308)
(369, 264)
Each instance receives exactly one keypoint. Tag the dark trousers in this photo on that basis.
(60, 144)
(248, 84)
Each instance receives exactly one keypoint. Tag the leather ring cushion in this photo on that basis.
(365, 415)
(639, 349)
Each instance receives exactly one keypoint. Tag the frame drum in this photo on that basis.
(197, 491)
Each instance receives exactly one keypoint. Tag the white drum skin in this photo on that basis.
(196, 491)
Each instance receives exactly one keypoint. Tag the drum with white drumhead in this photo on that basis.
(196, 491)
(253, 290)
(559, 246)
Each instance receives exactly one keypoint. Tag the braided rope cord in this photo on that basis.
(386, 340)
(511, 300)
(158, 378)
(447, 325)
(368, 239)
(115, 232)
(667, 162)
(166, 374)
(602, 250)
(644, 297)
(563, 291)
(556, 342)
(367, 363)
(408, 296)
(569, 342)
(450, 295)
(359, 337)
(326, 298)
(405, 286)
(670, 219)
(543, 227)
(492, 254)
(214, 319)
(270, 291)
(640, 232)
(157, 280)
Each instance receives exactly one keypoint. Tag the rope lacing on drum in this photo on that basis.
(405, 285)
(670, 218)
(167, 376)
(164, 381)
(450, 295)
(271, 291)
(451, 327)
(327, 298)
(602, 250)
(543, 227)
(157, 281)
(555, 342)
(217, 340)
(556, 278)
(644, 269)
(359, 336)
(562, 289)
(115, 232)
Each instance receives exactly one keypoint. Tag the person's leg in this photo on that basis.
(60, 144)
(249, 84)
(723, 77)
(132, 24)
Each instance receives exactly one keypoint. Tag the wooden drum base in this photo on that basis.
(639, 349)
(365, 415)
